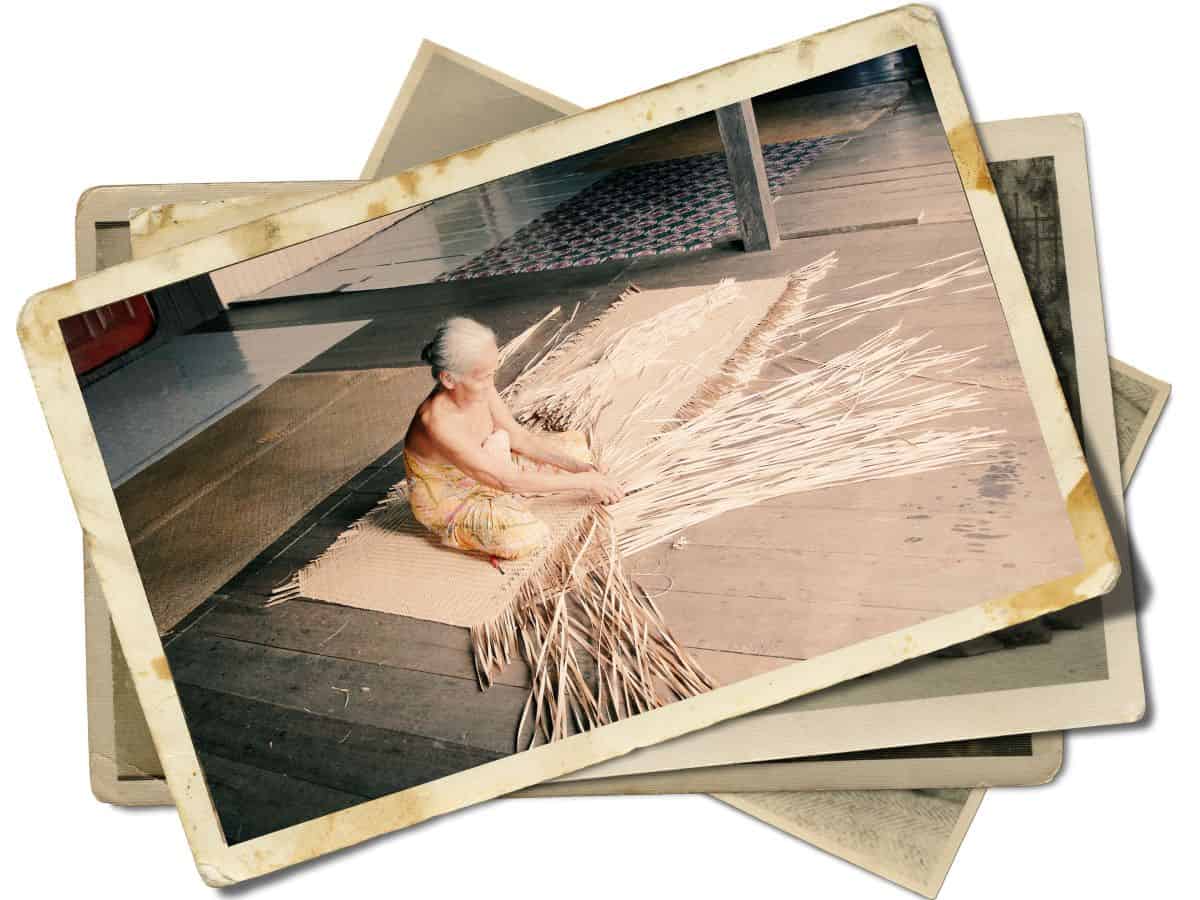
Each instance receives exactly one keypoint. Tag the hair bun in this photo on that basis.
(427, 352)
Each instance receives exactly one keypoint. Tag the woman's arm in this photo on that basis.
(460, 448)
(528, 444)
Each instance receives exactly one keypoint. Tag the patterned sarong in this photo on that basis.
(467, 515)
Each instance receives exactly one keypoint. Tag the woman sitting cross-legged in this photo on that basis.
(467, 458)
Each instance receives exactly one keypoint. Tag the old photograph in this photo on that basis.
(538, 456)
(418, 491)
(125, 767)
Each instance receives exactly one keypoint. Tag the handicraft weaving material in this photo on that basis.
(670, 386)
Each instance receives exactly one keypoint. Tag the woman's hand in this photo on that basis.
(580, 467)
(601, 488)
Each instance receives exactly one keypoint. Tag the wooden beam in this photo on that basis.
(743, 155)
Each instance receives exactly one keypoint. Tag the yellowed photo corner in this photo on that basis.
(109, 547)
(103, 213)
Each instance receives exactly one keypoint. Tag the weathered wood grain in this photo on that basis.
(355, 759)
(435, 706)
(251, 801)
(748, 175)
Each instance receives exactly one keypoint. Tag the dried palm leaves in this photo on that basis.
(597, 648)
(865, 413)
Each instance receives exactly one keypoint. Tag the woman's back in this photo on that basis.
(439, 419)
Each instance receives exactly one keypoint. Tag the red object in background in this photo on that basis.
(98, 335)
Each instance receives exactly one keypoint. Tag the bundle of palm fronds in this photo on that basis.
(862, 415)
(597, 647)
(575, 381)
(741, 438)
(697, 404)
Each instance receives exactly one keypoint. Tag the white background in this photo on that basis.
(111, 93)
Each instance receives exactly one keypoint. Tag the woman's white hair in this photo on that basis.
(457, 346)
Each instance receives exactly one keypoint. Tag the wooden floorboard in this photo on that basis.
(898, 175)
(727, 667)
(251, 802)
(343, 632)
(857, 577)
(728, 622)
(352, 759)
(435, 706)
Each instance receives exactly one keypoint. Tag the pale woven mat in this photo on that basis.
(388, 562)
(391, 563)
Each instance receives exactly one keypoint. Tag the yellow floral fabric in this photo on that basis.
(467, 515)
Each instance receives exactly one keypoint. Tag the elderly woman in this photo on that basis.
(467, 457)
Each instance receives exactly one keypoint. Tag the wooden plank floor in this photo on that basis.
(304, 707)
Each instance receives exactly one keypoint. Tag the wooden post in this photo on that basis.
(743, 155)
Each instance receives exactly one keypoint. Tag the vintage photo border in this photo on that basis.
(105, 538)
(164, 216)
(118, 780)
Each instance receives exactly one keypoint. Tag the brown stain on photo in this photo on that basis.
(1095, 546)
(440, 165)
(408, 182)
(157, 217)
(969, 155)
(1087, 518)
(255, 239)
(371, 819)
(474, 152)
(159, 667)
(805, 51)
(35, 331)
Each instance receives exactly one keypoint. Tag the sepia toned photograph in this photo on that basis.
(168, 215)
(507, 483)
(845, 823)
(467, 494)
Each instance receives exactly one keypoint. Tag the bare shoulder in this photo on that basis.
(429, 424)
(440, 420)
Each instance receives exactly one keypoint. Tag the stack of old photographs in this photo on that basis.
(790, 452)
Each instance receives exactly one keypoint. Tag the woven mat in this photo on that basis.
(672, 206)
(391, 563)
(388, 562)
